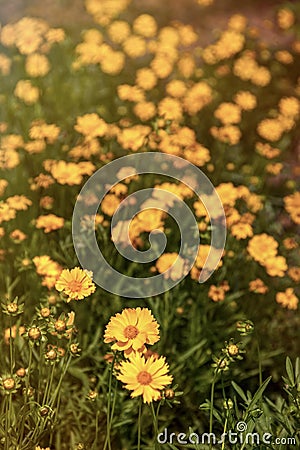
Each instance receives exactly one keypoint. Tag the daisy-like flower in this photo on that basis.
(75, 283)
(131, 330)
(146, 377)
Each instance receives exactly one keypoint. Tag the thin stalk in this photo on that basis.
(49, 386)
(27, 382)
(139, 424)
(224, 431)
(155, 426)
(94, 446)
(6, 423)
(212, 394)
(51, 403)
(41, 366)
(109, 418)
(11, 347)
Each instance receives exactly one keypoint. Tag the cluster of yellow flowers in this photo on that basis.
(159, 101)
(143, 372)
(263, 248)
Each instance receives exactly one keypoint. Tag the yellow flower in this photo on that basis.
(237, 22)
(5, 64)
(146, 377)
(91, 125)
(3, 186)
(48, 269)
(294, 273)
(36, 146)
(274, 169)
(228, 113)
(70, 173)
(284, 57)
(75, 283)
(166, 261)
(130, 93)
(241, 230)
(229, 134)
(266, 150)
(19, 202)
(290, 243)
(37, 65)
(161, 66)
(18, 235)
(262, 247)
(134, 46)
(292, 205)
(245, 67)
(186, 65)
(104, 11)
(285, 18)
(112, 62)
(258, 286)
(270, 129)
(134, 137)
(131, 330)
(145, 25)
(6, 212)
(276, 266)
(217, 294)
(197, 154)
(118, 31)
(289, 106)
(146, 78)
(54, 35)
(187, 34)
(144, 110)
(170, 109)
(109, 204)
(261, 76)
(287, 299)
(39, 130)
(176, 88)
(50, 222)
(228, 193)
(245, 100)
(25, 91)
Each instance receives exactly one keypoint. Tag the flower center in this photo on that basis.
(74, 286)
(131, 332)
(144, 378)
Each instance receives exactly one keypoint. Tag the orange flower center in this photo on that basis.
(131, 332)
(144, 378)
(75, 286)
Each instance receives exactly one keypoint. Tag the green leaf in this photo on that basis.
(290, 370)
(239, 390)
(258, 394)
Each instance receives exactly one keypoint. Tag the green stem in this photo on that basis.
(41, 360)
(109, 415)
(139, 424)
(212, 393)
(48, 385)
(224, 431)
(11, 347)
(155, 425)
(51, 403)
(27, 382)
(6, 424)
